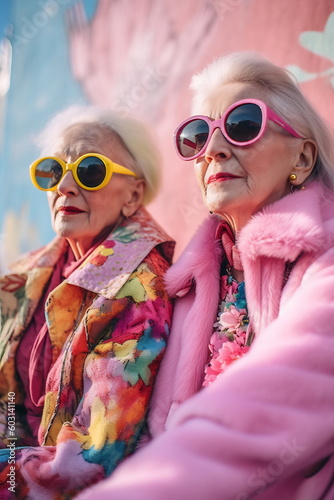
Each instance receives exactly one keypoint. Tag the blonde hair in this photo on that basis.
(282, 95)
(133, 135)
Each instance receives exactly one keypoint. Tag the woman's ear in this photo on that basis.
(135, 198)
(307, 155)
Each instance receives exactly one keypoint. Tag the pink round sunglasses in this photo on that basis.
(242, 124)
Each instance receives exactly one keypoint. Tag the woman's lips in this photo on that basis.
(70, 210)
(221, 176)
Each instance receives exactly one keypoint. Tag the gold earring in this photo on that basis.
(292, 177)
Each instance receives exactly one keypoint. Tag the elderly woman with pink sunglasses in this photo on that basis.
(244, 402)
(85, 319)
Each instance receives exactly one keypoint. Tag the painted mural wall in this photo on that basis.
(137, 56)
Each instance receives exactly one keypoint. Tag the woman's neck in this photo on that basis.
(81, 246)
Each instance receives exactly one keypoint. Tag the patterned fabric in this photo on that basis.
(231, 338)
(232, 335)
(226, 235)
(108, 325)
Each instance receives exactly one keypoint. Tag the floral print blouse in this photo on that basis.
(232, 335)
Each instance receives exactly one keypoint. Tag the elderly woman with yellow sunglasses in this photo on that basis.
(84, 320)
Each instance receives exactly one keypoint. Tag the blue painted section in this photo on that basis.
(5, 8)
(41, 84)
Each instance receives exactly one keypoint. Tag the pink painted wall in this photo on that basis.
(138, 56)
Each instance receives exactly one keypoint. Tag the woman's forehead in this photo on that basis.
(88, 132)
(80, 138)
(225, 95)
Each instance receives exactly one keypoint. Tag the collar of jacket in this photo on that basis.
(109, 266)
(299, 222)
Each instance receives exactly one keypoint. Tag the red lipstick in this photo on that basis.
(69, 210)
(221, 176)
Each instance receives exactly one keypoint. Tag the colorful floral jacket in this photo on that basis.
(108, 324)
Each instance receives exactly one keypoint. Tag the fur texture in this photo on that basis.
(295, 226)
(265, 428)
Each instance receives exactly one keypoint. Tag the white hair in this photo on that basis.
(133, 134)
(282, 95)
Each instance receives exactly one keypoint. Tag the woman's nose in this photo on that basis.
(218, 147)
(67, 184)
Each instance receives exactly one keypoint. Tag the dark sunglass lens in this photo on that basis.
(91, 171)
(48, 173)
(192, 138)
(244, 122)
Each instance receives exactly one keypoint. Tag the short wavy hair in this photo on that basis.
(283, 95)
(133, 134)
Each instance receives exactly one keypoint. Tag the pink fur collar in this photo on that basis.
(202, 256)
(283, 230)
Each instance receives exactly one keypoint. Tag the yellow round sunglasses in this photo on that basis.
(91, 171)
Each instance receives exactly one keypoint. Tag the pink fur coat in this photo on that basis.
(265, 428)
